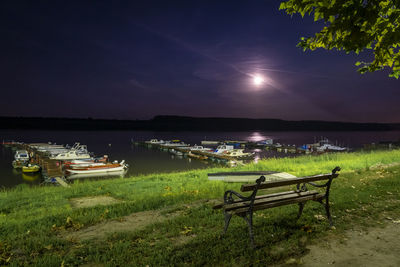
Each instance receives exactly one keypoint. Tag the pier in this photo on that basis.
(185, 149)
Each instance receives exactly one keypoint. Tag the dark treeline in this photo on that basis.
(179, 123)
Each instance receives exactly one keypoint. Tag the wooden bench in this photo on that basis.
(236, 204)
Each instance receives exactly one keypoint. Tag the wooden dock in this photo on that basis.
(50, 167)
(185, 150)
(61, 182)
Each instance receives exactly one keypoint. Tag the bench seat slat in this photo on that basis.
(300, 180)
(279, 203)
(220, 205)
(263, 201)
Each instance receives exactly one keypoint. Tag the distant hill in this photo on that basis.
(180, 123)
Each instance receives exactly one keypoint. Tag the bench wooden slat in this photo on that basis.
(278, 203)
(300, 180)
(220, 205)
(263, 201)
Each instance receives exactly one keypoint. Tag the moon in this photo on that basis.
(258, 80)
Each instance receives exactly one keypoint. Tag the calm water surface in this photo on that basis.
(117, 145)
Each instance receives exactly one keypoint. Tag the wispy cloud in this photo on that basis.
(136, 83)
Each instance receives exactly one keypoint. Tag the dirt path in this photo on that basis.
(375, 247)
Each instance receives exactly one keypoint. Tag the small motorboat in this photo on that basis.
(200, 148)
(154, 142)
(31, 176)
(237, 153)
(71, 155)
(223, 149)
(103, 159)
(21, 155)
(31, 168)
(116, 174)
(105, 168)
(85, 165)
(176, 152)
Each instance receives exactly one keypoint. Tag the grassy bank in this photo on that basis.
(36, 223)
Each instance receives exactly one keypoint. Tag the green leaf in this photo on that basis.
(353, 26)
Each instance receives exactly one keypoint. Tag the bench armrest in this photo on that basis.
(327, 184)
(229, 199)
(229, 195)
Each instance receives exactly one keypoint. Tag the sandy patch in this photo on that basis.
(375, 247)
(382, 166)
(133, 222)
(85, 202)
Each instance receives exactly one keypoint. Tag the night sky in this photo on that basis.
(138, 59)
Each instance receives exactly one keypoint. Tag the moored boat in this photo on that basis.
(174, 143)
(223, 149)
(176, 152)
(97, 175)
(238, 153)
(30, 168)
(103, 159)
(73, 154)
(200, 148)
(154, 142)
(209, 142)
(108, 167)
(21, 155)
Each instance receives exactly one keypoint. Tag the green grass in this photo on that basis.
(31, 218)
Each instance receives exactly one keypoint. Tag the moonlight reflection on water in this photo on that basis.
(256, 137)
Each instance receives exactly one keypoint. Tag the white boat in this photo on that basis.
(107, 168)
(41, 146)
(200, 148)
(329, 147)
(326, 146)
(155, 142)
(103, 159)
(86, 165)
(209, 142)
(176, 152)
(73, 154)
(115, 174)
(223, 149)
(174, 144)
(267, 142)
(238, 153)
(21, 155)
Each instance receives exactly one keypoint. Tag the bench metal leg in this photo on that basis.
(301, 207)
(228, 217)
(249, 219)
(328, 213)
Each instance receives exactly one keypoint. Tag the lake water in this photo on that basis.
(118, 146)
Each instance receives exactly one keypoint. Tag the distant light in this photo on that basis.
(258, 80)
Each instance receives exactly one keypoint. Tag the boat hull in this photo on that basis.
(30, 169)
(97, 170)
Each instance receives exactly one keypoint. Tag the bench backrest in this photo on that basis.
(299, 180)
